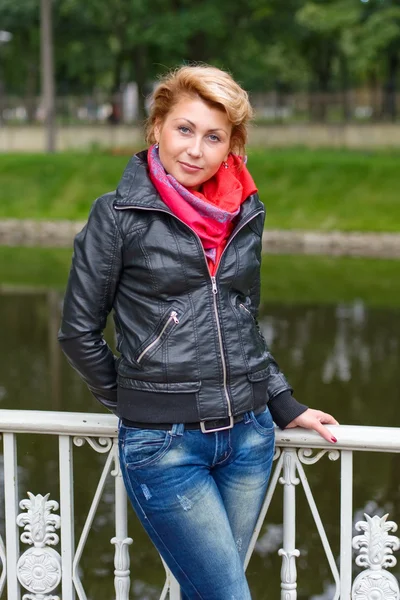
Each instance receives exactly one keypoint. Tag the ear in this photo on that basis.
(157, 130)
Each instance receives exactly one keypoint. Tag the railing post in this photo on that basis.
(289, 552)
(346, 524)
(11, 510)
(121, 539)
(67, 515)
(174, 590)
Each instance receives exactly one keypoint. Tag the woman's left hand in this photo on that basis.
(314, 419)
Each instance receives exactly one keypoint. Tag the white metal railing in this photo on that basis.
(41, 569)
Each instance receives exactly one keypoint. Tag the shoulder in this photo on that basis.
(102, 207)
(135, 172)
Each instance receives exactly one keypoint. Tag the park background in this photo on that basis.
(324, 150)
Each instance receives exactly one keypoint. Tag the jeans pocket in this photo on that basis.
(263, 422)
(142, 447)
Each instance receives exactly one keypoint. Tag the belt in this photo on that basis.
(209, 426)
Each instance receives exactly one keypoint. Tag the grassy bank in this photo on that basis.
(285, 279)
(302, 189)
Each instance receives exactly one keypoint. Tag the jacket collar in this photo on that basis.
(136, 190)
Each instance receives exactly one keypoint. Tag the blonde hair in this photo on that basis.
(212, 85)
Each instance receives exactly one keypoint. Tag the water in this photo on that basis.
(342, 358)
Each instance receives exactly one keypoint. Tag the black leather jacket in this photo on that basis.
(190, 346)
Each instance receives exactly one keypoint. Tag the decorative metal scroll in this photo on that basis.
(101, 445)
(39, 568)
(375, 547)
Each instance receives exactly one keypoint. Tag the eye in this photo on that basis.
(183, 129)
(214, 138)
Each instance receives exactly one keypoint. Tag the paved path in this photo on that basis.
(15, 232)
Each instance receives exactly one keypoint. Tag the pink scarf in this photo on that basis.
(209, 213)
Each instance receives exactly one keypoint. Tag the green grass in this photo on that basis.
(60, 186)
(301, 188)
(329, 189)
(285, 279)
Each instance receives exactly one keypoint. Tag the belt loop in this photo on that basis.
(247, 417)
(178, 429)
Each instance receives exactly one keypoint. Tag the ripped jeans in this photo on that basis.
(198, 495)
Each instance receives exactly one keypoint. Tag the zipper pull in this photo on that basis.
(214, 285)
(245, 308)
(174, 316)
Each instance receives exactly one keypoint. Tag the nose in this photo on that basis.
(195, 148)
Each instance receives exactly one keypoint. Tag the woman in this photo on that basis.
(176, 252)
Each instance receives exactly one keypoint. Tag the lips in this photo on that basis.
(190, 168)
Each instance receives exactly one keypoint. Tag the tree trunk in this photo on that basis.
(323, 86)
(30, 92)
(198, 48)
(389, 108)
(48, 84)
(374, 95)
(344, 76)
(140, 63)
(117, 74)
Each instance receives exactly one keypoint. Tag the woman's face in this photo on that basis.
(194, 140)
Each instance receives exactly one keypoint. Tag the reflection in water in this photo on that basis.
(343, 359)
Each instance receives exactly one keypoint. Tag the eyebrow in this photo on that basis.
(193, 124)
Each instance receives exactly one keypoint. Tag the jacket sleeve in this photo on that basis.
(282, 405)
(92, 283)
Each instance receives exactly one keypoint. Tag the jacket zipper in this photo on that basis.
(172, 317)
(246, 309)
(224, 371)
(213, 283)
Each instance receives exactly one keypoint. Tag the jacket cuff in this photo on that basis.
(284, 408)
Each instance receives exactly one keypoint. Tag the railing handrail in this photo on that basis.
(296, 447)
(350, 437)
(58, 422)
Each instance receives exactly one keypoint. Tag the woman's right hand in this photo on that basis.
(315, 419)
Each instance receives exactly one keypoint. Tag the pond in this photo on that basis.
(342, 357)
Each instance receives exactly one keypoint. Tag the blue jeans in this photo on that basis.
(198, 495)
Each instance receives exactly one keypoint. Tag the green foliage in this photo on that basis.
(375, 36)
(19, 58)
(102, 44)
(329, 18)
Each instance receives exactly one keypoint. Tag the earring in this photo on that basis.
(156, 146)
(225, 164)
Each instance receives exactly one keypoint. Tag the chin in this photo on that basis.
(189, 183)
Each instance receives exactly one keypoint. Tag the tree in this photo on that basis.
(20, 56)
(323, 41)
(377, 49)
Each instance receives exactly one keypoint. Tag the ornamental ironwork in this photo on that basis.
(39, 568)
(376, 546)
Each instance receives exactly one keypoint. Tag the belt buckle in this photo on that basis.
(204, 430)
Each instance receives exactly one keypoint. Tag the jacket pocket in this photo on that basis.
(158, 337)
(155, 387)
